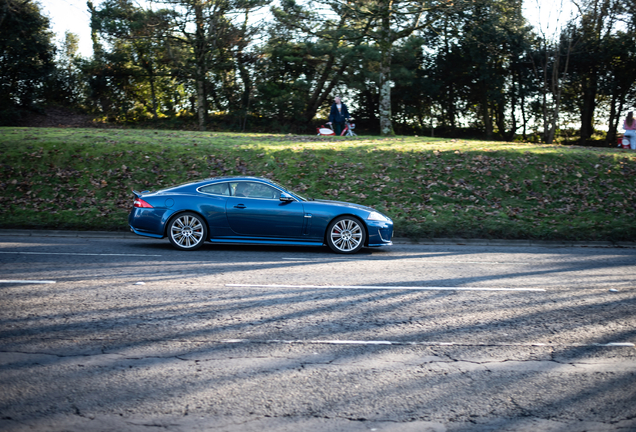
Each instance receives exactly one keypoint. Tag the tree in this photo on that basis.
(551, 65)
(69, 86)
(617, 86)
(383, 23)
(598, 19)
(205, 34)
(305, 58)
(26, 58)
(392, 21)
(136, 40)
(493, 40)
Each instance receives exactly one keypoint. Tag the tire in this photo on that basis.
(346, 235)
(187, 231)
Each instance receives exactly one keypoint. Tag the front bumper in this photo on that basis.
(380, 233)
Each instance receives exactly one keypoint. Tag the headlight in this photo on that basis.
(377, 217)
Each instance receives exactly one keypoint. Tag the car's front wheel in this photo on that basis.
(187, 231)
(345, 235)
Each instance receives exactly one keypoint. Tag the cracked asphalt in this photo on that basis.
(136, 336)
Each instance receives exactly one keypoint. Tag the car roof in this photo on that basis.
(198, 183)
(225, 178)
(235, 178)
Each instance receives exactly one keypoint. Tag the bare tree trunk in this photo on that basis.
(611, 132)
(485, 112)
(557, 88)
(244, 73)
(510, 135)
(201, 71)
(153, 93)
(500, 119)
(523, 110)
(322, 94)
(319, 94)
(452, 109)
(385, 43)
(201, 111)
(616, 121)
(386, 126)
(552, 85)
(589, 104)
(97, 47)
(544, 98)
(553, 119)
(247, 90)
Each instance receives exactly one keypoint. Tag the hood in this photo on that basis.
(346, 204)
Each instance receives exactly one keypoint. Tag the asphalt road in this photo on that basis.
(135, 336)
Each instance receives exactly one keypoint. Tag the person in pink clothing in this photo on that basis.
(630, 129)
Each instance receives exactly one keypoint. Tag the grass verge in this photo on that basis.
(82, 178)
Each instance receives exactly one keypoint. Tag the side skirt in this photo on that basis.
(265, 242)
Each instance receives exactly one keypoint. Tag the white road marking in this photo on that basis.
(77, 254)
(439, 261)
(27, 281)
(421, 258)
(328, 259)
(363, 287)
(429, 343)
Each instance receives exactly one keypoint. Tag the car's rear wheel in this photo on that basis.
(345, 235)
(187, 231)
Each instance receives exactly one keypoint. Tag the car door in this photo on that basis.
(211, 204)
(255, 210)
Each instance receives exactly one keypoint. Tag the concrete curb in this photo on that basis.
(396, 240)
(63, 233)
(516, 243)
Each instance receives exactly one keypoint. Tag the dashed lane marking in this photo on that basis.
(437, 261)
(27, 281)
(385, 259)
(426, 343)
(393, 342)
(365, 287)
(77, 254)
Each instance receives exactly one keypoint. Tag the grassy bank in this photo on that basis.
(82, 178)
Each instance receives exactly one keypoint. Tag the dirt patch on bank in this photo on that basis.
(57, 117)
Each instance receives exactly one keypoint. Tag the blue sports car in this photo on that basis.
(254, 210)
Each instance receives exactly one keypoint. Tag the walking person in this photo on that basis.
(630, 129)
(338, 115)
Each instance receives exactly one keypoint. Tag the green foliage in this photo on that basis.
(70, 86)
(441, 68)
(285, 74)
(81, 179)
(132, 81)
(602, 65)
(26, 58)
(305, 58)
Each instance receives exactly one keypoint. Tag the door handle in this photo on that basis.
(239, 206)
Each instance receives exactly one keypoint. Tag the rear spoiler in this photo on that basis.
(138, 194)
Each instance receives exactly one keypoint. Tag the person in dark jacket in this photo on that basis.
(338, 115)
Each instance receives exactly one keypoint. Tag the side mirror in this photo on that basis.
(285, 197)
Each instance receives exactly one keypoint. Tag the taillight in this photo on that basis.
(139, 203)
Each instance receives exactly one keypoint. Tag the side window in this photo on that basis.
(263, 191)
(254, 190)
(216, 189)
